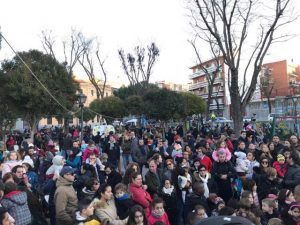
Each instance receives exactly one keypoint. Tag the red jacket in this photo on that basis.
(280, 168)
(141, 197)
(87, 152)
(152, 220)
(206, 161)
(229, 145)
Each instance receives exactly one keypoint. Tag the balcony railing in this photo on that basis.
(204, 84)
(202, 72)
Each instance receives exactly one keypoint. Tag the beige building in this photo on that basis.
(172, 86)
(88, 90)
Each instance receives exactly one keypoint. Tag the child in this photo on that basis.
(281, 166)
(269, 210)
(123, 201)
(200, 212)
(220, 205)
(12, 161)
(241, 164)
(85, 211)
(158, 213)
(294, 214)
(169, 196)
(184, 182)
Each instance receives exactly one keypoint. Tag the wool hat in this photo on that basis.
(280, 157)
(294, 205)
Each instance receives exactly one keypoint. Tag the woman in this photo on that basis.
(259, 172)
(112, 176)
(5, 218)
(251, 163)
(203, 176)
(271, 147)
(139, 193)
(32, 176)
(265, 152)
(159, 161)
(223, 172)
(285, 198)
(137, 216)
(250, 185)
(105, 208)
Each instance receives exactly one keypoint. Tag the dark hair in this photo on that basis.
(9, 187)
(244, 203)
(181, 171)
(84, 204)
(202, 166)
(159, 223)
(295, 157)
(90, 183)
(157, 200)
(246, 194)
(2, 214)
(134, 175)
(15, 168)
(120, 186)
(9, 175)
(133, 210)
(248, 184)
(226, 211)
(103, 188)
(282, 195)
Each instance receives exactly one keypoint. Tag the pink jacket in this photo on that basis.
(141, 197)
(8, 165)
(225, 150)
(152, 220)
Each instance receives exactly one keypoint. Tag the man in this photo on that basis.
(65, 197)
(292, 177)
(139, 155)
(112, 149)
(295, 145)
(154, 178)
(278, 147)
(23, 182)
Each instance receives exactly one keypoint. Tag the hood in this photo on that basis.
(17, 197)
(63, 182)
(79, 218)
(57, 160)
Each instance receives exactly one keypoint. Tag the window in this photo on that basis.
(92, 92)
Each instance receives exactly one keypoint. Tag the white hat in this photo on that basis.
(28, 160)
(30, 145)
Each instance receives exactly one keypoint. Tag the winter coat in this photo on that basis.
(154, 181)
(16, 204)
(280, 168)
(164, 218)
(56, 166)
(292, 177)
(224, 186)
(139, 155)
(108, 211)
(113, 152)
(241, 166)
(123, 205)
(266, 187)
(88, 151)
(225, 150)
(141, 197)
(33, 179)
(211, 184)
(251, 165)
(170, 200)
(66, 202)
(206, 161)
(193, 199)
(75, 162)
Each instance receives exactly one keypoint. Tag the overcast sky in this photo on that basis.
(117, 24)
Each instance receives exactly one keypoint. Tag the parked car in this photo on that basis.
(221, 120)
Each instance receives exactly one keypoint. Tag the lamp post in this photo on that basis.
(81, 101)
(295, 99)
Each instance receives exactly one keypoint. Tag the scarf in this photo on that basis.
(168, 191)
(204, 181)
(124, 197)
(158, 215)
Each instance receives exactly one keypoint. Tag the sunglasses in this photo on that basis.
(264, 162)
(72, 174)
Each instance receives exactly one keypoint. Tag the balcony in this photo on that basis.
(214, 94)
(202, 72)
(204, 84)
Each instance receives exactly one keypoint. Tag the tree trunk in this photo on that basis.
(269, 106)
(207, 117)
(33, 127)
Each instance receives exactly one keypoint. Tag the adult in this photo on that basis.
(5, 217)
(65, 197)
(292, 176)
(139, 194)
(169, 170)
(126, 150)
(74, 156)
(112, 176)
(223, 172)
(295, 145)
(112, 149)
(105, 208)
(278, 147)
(268, 184)
(154, 178)
(139, 154)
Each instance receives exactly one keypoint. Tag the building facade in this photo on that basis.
(220, 97)
(172, 86)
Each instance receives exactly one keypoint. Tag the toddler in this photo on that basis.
(158, 213)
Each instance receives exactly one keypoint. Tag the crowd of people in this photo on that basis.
(150, 177)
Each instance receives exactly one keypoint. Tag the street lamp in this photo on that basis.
(81, 101)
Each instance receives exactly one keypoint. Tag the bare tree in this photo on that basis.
(228, 22)
(209, 75)
(87, 63)
(267, 85)
(73, 48)
(137, 66)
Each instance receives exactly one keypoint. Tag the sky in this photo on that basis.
(117, 24)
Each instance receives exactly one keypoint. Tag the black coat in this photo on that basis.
(192, 200)
(113, 179)
(114, 153)
(123, 207)
(292, 177)
(266, 187)
(170, 201)
(151, 180)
